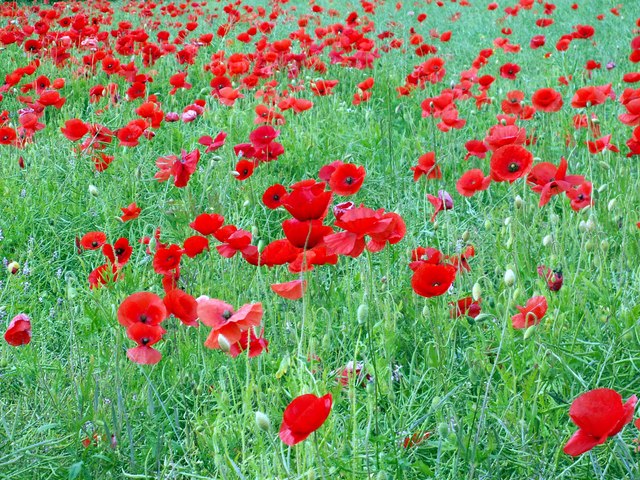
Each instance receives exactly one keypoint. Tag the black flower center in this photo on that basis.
(143, 318)
(226, 314)
(514, 167)
(348, 180)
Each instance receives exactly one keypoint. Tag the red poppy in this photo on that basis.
(274, 196)
(180, 168)
(182, 306)
(475, 148)
(19, 330)
(118, 253)
(145, 335)
(308, 200)
(472, 182)
(224, 321)
(303, 416)
(591, 95)
(426, 166)
(580, 196)
(415, 439)
(167, 259)
(550, 180)
(602, 144)
(347, 179)
(195, 245)
(292, 290)
(93, 240)
(440, 203)
(465, 306)
(531, 314)
(305, 234)
(501, 135)
(510, 162)
(263, 136)
(213, 144)
(234, 240)
(432, 280)
(553, 278)
(599, 414)
(74, 129)
(509, 71)
(547, 100)
(141, 307)
(130, 212)
(207, 223)
(249, 341)
(244, 169)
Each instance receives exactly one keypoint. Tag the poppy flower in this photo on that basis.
(74, 129)
(195, 245)
(531, 314)
(167, 259)
(19, 330)
(292, 290)
(442, 202)
(602, 144)
(274, 196)
(213, 144)
(465, 306)
(598, 414)
(305, 234)
(432, 280)
(415, 439)
(244, 169)
(553, 278)
(130, 212)
(263, 136)
(141, 307)
(509, 71)
(182, 306)
(580, 196)
(472, 182)
(591, 95)
(303, 416)
(145, 335)
(249, 341)
(233, 240)
(308, 200)
(547, 100)
(347, 179)
(118, 253)
(353, 370)
(180, 168)
(357, 223)
(93, 240)
(224, 321)
(550, 180)
(207, 223)
(510, 162)
(426, 166)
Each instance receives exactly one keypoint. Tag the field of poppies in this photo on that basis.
(270, 239)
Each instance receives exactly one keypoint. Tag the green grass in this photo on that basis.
(494, 399)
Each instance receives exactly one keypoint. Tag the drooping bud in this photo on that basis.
(509, 277)
(263, 422)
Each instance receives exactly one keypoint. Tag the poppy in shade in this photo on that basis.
(19, 330)
(303, 416)
(141, 307)
(553, 278)
(510, 162)
(531, 314)
(599, 414)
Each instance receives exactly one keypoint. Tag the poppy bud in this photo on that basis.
(529, 331)
(547, 240)
(13, 268)
(476, 291)
(611, 205)
(254, 231)
(443, 429)
(604, 245)
(518, 202)
(225, 346)
(590, 225)
(261, 245)
(582, 226)
(509, 278)
(590, 245)
(235, 174)
(93, 190)
(487, 224)
(602, 188)
(425, 310)
(246, 203)
(465, 236)
(507, 221)
(363, 313)
(263, 422)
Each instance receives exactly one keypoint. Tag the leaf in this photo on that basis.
(75, 470)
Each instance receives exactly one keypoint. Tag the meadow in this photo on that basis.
(310, 240)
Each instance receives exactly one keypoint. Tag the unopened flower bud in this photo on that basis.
(476, 291)
(604, 245)
(225, 346)
(611, 205)
(263, 422)
(547, 240)
(509, 278)
(518, 202)
(93, 190)
(465, 236)
(363, 313)
(590, 225)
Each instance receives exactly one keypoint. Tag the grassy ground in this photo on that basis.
(495, 400)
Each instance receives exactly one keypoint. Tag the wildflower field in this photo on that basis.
(278, 239)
